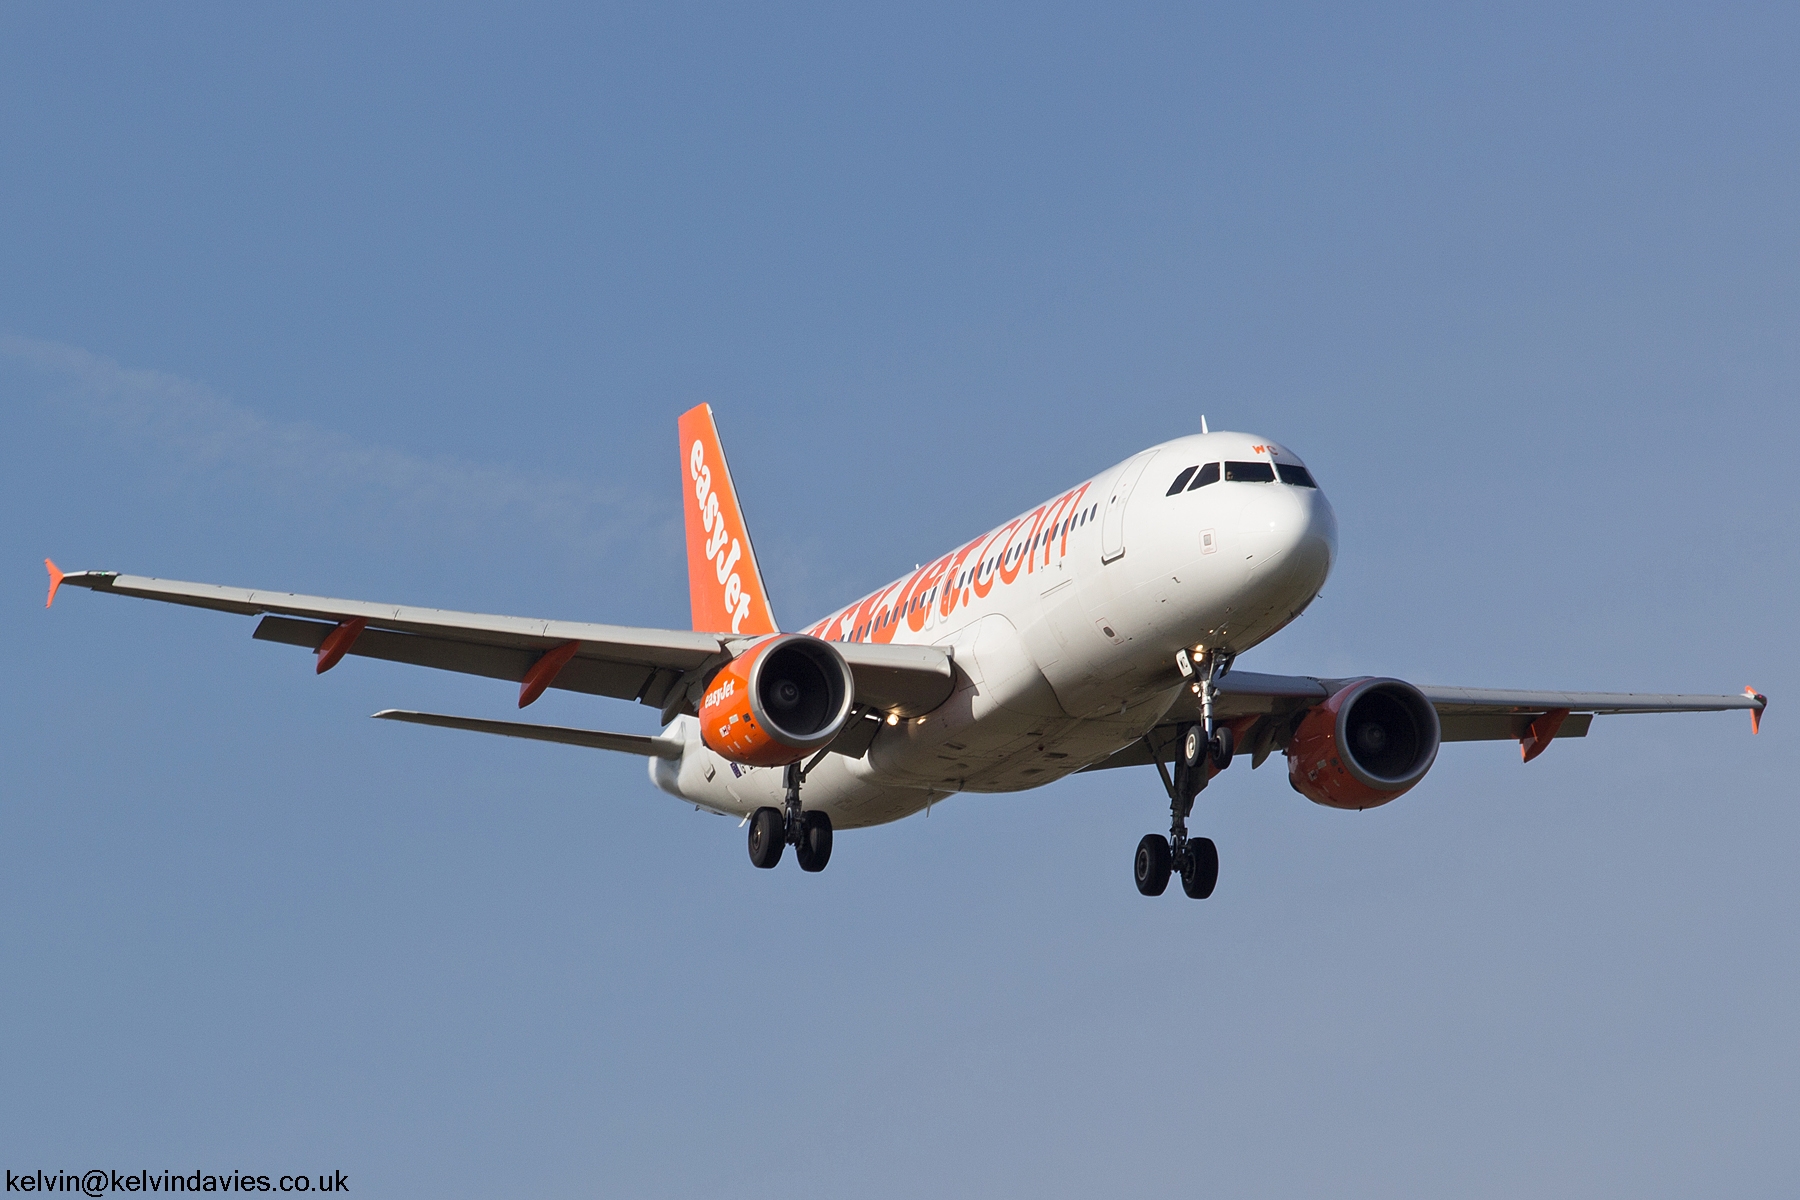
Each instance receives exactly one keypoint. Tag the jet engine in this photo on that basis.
(1366, 745)
(777, 702)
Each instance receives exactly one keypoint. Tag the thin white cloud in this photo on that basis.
(211, 436)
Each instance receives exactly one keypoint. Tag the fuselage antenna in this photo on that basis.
(1203, 423)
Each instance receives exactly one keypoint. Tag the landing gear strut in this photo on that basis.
(808, 832)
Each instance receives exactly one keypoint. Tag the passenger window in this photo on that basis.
(1208, 474)
(1298, 476)
(1249, 472)
(1180, 481)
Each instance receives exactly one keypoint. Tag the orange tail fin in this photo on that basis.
(725, 586)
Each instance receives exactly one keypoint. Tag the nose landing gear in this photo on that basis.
(808, 832)
(1203, 743)
(1195, 859)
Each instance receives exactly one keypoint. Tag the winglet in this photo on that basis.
(56, 578)
(1756, 713)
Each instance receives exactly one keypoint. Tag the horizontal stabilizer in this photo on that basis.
(625, 743)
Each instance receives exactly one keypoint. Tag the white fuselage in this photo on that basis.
(1064, 625)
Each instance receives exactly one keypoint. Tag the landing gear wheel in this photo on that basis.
(1224, 745)
(1200, 868)
(1193, 747)
(766, 837)
(1152, 865)
(813, 849)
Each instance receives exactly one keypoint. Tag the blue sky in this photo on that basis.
(402, 304)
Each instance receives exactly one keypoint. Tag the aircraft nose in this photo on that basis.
(1291, 532)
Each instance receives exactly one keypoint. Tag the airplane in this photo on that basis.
(1096, 630)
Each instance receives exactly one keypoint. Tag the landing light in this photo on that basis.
(893, 718)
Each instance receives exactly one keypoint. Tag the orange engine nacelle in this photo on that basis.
(777, 702)
(1366, 745)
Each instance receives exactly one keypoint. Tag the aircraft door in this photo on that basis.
(1112, 522)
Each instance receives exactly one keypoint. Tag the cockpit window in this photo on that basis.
(1180, 481)
(1298, 476)
(1208, 474)
(1249, 472)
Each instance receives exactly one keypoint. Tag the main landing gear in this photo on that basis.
(808, 832)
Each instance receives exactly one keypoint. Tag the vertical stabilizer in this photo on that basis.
(725, 586)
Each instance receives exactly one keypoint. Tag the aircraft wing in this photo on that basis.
(662, 668)
(1265, 708)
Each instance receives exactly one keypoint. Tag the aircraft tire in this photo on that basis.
(1193, 746)
(1224, 745)
(813, 850)
(766, 837)
(1200, 868)
(1151, 867)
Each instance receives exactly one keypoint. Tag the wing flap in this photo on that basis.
(907, 680)
(595, 677)
(1507, 727)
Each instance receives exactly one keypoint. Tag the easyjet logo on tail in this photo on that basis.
(725, 587)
